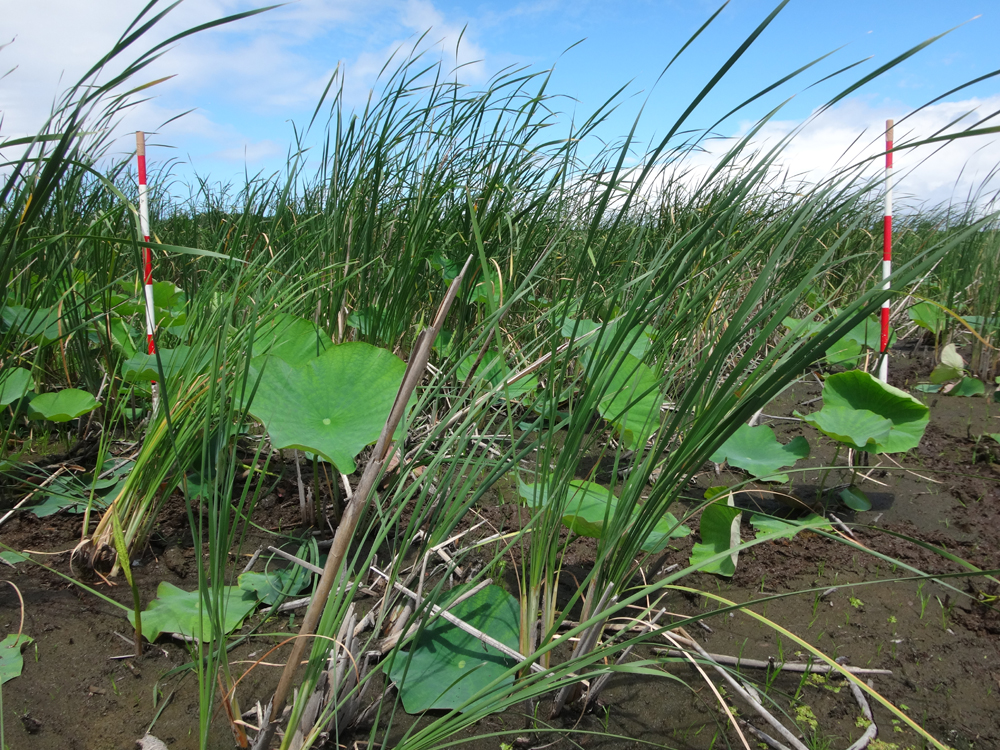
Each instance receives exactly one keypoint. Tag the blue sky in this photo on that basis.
(248, 82)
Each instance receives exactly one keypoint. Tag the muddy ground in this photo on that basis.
(942, 644)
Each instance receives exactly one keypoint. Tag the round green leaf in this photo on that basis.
(41, 324)
(177, 611)
(858, 428)
(756, 450)
(667, 528)
(333, 405)
(290, 338)
(845, 352)
(493, 370)
(855, 499)
(585, 510)
(968, 386)
(447, 666)
(861, 411)
(62, 406)
(928, 316)
(16, 381)
(720, 531)
(142, 367)
(632, 402)
(786, 528)
(11, 662)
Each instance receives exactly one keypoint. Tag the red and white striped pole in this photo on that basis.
(883, 367)
(147, 253)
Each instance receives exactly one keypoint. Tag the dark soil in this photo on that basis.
(941, 639)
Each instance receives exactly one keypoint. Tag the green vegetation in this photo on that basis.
(603, 311)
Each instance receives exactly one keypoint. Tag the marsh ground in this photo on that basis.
(943, 648)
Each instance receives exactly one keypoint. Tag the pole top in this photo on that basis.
(140, 143)
(888, 130)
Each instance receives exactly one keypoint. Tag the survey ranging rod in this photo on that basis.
(883, 366)
(147, 253)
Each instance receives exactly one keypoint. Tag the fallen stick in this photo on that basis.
(740, 690)
(718, 697)
(787, 666)
(297, 560)
(871, 731)
(253, 559)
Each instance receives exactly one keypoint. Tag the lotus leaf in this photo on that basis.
(951, 357)
(951, 367)
(968, 386)
(69, 502)
(11, 661)
(121, 336)
(845, 352)
(40, 324)
(372, 320)
(493, 370)
(865, 413)
(142, 367)
(632, 402)
(804, 328)
(720, 531)
(332, 405)
(756, 450)
(943, 373)
(177, 611)
(446, 666)
(867, 333)
(62, 406)
(13, 557)
(848, 349)
(492, 284)
(855, 499)
(666, 528)
(290, 338)
(787, 528)
(71, 494)
(168, 303)
(929, 316)
(274, 585)
(638, 342)
(15, 383)
(980, 322)
(859, 428)
(449, 269)
(587, 505)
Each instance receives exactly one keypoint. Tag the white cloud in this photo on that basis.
(849, 139)
(247, 80)
(852, 133)
(255, 74)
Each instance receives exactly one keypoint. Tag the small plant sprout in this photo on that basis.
(924, 598)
